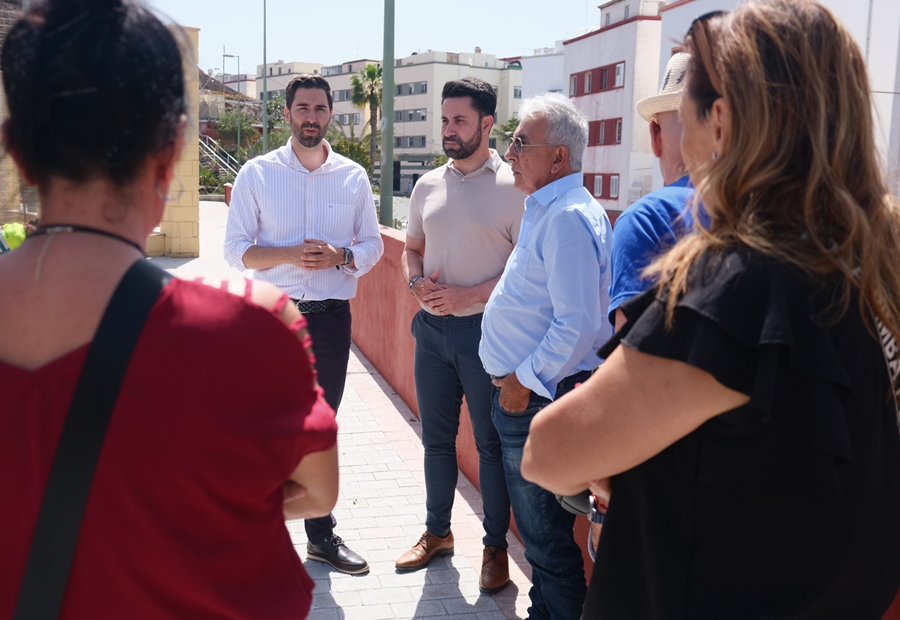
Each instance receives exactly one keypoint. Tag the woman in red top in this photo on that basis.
(219, 433)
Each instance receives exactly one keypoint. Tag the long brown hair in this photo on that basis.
(800, 178)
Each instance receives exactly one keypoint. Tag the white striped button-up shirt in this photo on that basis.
(277, 202)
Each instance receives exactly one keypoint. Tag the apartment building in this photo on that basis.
(544, 71)
(244, 83)
(419, 79)
(280, 73)
(609, 69)
(347, 117)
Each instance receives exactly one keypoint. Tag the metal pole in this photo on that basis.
(240, 109)
(265, 89)
(387, 115)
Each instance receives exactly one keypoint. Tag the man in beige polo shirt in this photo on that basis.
(464, 220)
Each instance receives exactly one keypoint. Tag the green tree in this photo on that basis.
(227, 128)
(367, 93)
(275, 112)
(439, 160)
(351, 150)
(505, 131)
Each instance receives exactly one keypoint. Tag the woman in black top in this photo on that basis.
(748, 428)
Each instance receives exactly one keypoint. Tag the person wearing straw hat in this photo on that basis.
(655, 222)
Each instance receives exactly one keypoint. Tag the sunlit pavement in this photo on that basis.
(381, 509)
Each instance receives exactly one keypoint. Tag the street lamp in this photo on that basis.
(240, 99)
(265, 89)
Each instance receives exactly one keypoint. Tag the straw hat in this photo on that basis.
(669, 97)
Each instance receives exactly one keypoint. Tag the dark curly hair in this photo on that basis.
(94, 87)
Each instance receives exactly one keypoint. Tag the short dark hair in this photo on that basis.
(307, 81)
(94, 88)
(484, 99)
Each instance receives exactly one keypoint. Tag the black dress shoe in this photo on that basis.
(332, 550)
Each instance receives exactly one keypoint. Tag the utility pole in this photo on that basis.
(387, 114)
(240, 97)
(265, 102)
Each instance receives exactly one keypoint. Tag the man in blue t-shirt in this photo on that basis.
(654, 223)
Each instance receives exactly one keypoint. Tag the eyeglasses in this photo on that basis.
(517, 145)
(700, 41)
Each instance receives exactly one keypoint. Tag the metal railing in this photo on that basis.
(222, 157)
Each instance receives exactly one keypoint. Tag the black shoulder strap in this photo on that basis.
(59, 521)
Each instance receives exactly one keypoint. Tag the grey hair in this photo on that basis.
(566, 126)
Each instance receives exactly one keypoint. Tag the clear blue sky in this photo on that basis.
(334, 32)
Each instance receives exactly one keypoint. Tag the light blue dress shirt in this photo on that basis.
(546, 318)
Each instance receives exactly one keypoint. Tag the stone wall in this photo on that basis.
(10, 203)
(179, 231)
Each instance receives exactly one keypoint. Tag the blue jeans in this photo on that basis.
(446, 367)
(558, 586)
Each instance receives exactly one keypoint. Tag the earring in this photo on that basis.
(715, 156)
(159, 193)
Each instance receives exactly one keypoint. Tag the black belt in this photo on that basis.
(318, 307)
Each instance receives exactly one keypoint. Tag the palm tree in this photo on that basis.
(367, 92)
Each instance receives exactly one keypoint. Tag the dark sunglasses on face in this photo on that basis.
(703, 18)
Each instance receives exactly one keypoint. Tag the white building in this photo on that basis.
(876, 26)
(419, 80)
(348, 117)
(280, 73)
(244, 83)
(544, 72)
(609, 69)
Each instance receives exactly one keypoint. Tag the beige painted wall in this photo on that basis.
(179, 231)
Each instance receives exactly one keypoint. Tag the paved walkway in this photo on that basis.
(381, 508)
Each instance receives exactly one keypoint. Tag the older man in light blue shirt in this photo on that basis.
(542, 327)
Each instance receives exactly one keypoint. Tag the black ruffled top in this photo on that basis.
(785, 508)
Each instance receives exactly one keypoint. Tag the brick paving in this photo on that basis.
(381, 508)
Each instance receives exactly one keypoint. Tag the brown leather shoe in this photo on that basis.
(428, 548)
(494, 570)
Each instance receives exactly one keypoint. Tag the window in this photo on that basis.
(587, 82)
(573, 85)
(620, 74)
(598, 185)
(279, 70)
(603, 78)
(602, 133)
(614, 186)
(398, 116)
(627, 11)
(423, 87)
(453, 58)
(608, 16)
(270, 70)
(346, 119)
(350, 67)
(517, 92)
(618, 132)
(421, 114)
(492, 143)
(356, 119)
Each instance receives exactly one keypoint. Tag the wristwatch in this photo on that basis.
(595, 507)
(348, 256)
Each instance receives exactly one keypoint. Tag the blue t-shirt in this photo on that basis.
(645, 230)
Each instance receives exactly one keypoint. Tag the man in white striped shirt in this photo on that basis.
(303, 218)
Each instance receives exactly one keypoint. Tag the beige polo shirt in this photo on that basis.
(470, 223)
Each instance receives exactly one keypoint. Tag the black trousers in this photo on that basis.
(330, 333)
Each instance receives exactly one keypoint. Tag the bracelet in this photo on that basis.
(413, 281)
